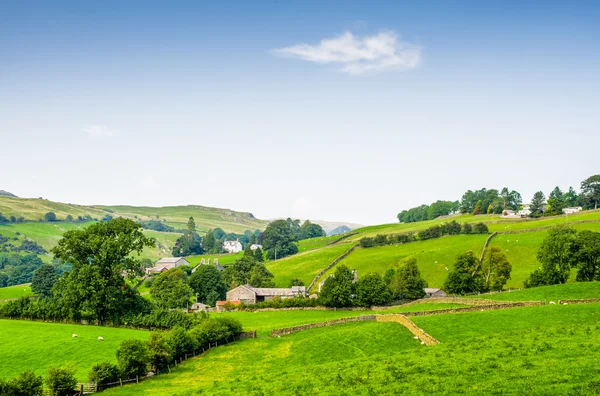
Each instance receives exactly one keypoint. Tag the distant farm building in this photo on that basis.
(251, 295)
(165, 264)
(572, 210)
(232, 246)
(207, 262)
(525, 212)
(254, 246)
(435, 292)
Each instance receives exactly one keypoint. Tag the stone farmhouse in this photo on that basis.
(232, 246)
(435, 292)
(166, 263)
(575, 209)
(251, 295)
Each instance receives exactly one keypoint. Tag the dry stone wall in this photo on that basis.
(411, 326)
(581, 301)
(476, 308)
(295, 329)
(330, 266)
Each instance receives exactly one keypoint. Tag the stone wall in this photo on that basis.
(411, 326)
(247, 334)
(582, 301)
(476, 308)
(295, 329)
(330, 266)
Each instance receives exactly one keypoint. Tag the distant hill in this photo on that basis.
(176, 216)
(329, 226)
(7, 194)
(339, 230)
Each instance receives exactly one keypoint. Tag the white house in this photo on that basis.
(255, 246)
(233, 246)
(572, 210)
(525, 212)
(166, 263)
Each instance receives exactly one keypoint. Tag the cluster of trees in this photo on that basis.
(213, 240)
(278, 239)
(60, 382)
(11, 219)
(160, 226)
(404, 282)
(135, 358)
(563, 249)
(307, 230)
(558, 200)
(250, 270)
(450, 228)
(26, 246)
(190, 243)
(428, 212)
(470, 275)
(16, 269)
(490, 201)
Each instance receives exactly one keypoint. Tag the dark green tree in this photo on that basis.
(26, 384)
(296, 282)
(209, 243)
(50, 216)
(572, 198)
(258, 255)
(190, 243)
(95, 288)
(208, 284)
(44, 279)
(61, 380)
(278, 240)
(133, 358)
(103, 373)
(338, 290)
(590, 191)
(495, 268)
(407, 281)
(587, 255)
(465, 277)
(556, 202)
(260, 276)
(311, 230)
(557, 255)
(537, 204)
(372, 290)
(171, 289)
(239, 272)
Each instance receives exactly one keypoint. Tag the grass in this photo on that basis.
(37, 346)
(549, 350)
(305, 265)
(316, 243)
(224, 259)
(17, 291)
(568, 291)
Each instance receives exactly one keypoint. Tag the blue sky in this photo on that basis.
(346, 111)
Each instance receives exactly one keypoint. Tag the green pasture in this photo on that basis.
(568, 291)
(545, 350)
(316, 243)
(16, 291)
(35, 208)
(305, 265)
(511, 225)
(224, 259)
(38, 345)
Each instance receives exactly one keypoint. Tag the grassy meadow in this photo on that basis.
(38, 345)
(568, 291)
(224, 259)
(316, 243)
(16, 291)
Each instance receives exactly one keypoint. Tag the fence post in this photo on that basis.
(169, 367)
(137, 379)
(121, 381)
(81, 390)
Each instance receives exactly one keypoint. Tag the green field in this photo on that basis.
(38, 345)
(224, 259)
(549, 350)
(316, 243)
(17, 291)
(568, 291)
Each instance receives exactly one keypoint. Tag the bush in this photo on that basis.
(26, 384)
(480, 228)
(61, 380)
(159, 350)
(104, 373)
(133, 358)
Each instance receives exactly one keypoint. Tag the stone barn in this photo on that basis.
(435, 292)
(251, 295)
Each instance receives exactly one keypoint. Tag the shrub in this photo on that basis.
(104, 373)
(61, 380)
(480, 228)
(133, 358)
(159, 350)
(467, 228)
(26, 384)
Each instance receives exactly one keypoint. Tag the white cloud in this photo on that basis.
(100, 131)
(355, 55)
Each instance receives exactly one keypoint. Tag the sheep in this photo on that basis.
(422, 342)
(74, 335)
(552, 303)
(416, 337)
(100, 339)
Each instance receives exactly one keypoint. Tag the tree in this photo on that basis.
(44, 279)
(467, 228)
(50, 216)
(510, 199)
(26, 384)
(556, 202)
(208, 284)
(104, 373)
(133, 358)
(311, 230)
(537, 204)
(464, 278)
(556, 254)
(407, 281)
(480, 228)
(260, 276)
(572, 198)
(478, 208)
(495, 268)
(189, 243)
(171, 289)
(159, 350)
(587, 255)
(238, 273)
(296, 282)
(338, 290)
(372, 290)
(258, 255)
(99, 254)
(69, 218)
(590, 191)
(278, 240)
(61, 380)
(209, 243)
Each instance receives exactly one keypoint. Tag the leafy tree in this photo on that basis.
(556, 254)
(3, 219)
(338, 290)
(171, 289)
(258, 255)
(556, 202)
(407, 281)
(467, 228)
(159, 350)
(572, 198)
(478, 207)
(260, 276)
(209, 243)
(219, 233)
(490, 209)
(44, 279)
(50, 216)
(470, 199)
(590, 191)
(587, 248)
(278, 240)
(104, 373)
(239, 272)
(464, 278)
(311, 230)
(496, 269)
(480, 228)
(99, 254)
(537, 204)
(69, 218)
(133, 358)
(296, 282)
(510, 199)
(61, 380)
(372, 290)
(13, 219)
(208, 284)
(26, 384)
(189, 243)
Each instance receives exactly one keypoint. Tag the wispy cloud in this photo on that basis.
(100, 131)
(356, 55)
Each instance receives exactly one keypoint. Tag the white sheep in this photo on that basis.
(100, 339)
(422, 342)
(74, 335)
(552, 303)
(416, 337)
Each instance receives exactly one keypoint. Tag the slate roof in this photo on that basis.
(429, 290)
(168, 260)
